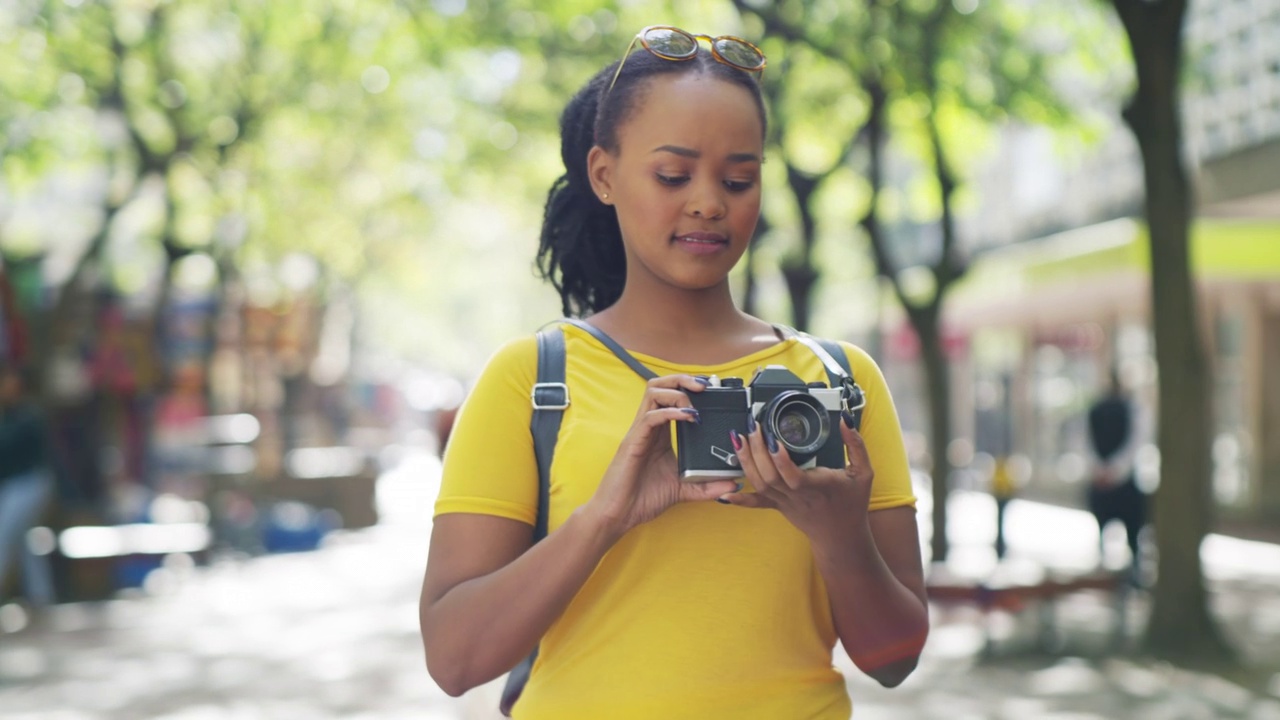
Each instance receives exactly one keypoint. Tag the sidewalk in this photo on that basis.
(333, 634)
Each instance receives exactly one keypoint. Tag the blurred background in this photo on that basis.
(252, 255)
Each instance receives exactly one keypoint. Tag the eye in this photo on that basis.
(737, 186)
(672, 180)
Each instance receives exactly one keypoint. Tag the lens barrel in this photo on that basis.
(798, 421)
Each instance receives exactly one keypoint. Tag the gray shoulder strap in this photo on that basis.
(550, 397)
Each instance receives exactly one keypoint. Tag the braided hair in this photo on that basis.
(581, 251)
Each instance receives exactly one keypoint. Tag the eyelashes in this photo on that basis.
(734, 186)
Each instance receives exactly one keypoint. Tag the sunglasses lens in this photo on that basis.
(670, 43)
(739, 53)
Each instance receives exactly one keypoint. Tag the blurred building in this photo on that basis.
(1059, 292)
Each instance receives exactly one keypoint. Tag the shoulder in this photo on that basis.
(512, 366)
(864, 366)
(514, 354)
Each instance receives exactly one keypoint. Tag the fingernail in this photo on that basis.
(737, 441)
(702, 379)
(694, 412)
(722, 501)
(848, 419)
(773, 444)
(751, 425)
(738, 488)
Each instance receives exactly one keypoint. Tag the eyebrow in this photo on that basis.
(690, 153)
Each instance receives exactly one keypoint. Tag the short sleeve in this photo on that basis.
(489, 464)
(882, 434)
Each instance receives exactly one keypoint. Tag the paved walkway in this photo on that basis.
(333, 634)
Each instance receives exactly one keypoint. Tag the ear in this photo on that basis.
(600, 172)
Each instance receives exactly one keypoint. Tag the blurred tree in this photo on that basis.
(804, 169)
(938, 78)
(1180, 628)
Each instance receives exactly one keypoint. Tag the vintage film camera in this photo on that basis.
(801, 416)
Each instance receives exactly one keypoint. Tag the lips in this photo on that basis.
(703, 238)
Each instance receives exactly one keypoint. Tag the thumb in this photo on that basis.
(695, 492)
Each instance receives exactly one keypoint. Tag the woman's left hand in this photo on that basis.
(823, 503)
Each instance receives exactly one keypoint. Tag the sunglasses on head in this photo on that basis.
(672, 43)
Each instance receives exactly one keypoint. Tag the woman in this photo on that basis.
(647, 600)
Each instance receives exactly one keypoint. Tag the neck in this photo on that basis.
(685, 315)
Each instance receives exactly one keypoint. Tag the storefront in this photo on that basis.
(1048, 319)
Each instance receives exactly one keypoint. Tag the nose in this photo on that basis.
(707, 201)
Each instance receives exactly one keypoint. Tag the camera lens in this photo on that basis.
(798, 421)
(793, 428)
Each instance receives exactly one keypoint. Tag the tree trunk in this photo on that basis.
(750, 283)
(937, 383)
(1180, 628)
(800, 280)
(925, 320)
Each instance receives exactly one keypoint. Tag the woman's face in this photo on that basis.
(685, 180)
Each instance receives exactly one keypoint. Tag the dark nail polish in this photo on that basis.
(738, 488)
(737, 441)
(848, 419)
(751, 425)
(722, 501)
(773, 444)
(702, 379)
(694, 412)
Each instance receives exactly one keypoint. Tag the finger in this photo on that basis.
(859, 463)
(790, 473)
(659, 419)
(699, 492)
(660, 416)
(766, 472)
(748, 500)
(678, 382)
(746, 461)
(666, 397)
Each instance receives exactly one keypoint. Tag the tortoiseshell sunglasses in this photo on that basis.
(672, 43)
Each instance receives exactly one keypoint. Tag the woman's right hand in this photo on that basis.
(643, 480)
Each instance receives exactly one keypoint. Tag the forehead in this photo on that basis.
(693, 110)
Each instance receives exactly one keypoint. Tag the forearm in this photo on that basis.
(483, 627)
(881, 622)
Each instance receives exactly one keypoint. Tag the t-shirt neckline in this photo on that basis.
(753, 358)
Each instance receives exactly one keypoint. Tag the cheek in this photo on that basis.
(749, 209)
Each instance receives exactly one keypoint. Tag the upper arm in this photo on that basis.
(488, 498)
(892, 515)
(489, 465)
(465, 546)
(882, 433)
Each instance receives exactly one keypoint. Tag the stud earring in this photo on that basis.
(604, 196)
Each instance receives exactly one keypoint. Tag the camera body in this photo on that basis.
(800, 416)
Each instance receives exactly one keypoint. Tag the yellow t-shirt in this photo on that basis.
(709, 611)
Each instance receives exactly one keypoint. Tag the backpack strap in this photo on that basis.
(550, 398)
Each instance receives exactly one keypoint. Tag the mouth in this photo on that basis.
(702, 239)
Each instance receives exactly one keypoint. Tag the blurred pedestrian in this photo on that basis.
(645, 600)
(1115, 434)
(26, 486)
(1003, 490)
